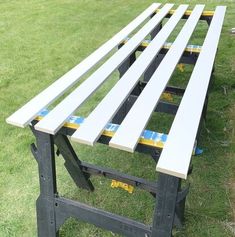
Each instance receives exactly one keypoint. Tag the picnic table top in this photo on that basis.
(176, 155)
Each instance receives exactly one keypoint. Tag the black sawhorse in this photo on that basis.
(53, 210)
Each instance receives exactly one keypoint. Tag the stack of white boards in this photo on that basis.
(176, 155)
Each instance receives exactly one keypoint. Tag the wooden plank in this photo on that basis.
(25, 114)
(131, 128)
(176, 156)
(94, 124)
(55, 119)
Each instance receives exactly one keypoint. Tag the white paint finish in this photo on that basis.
(95, 123)
(56, 118)
(176, 155)
(128, 134)
(27, 113)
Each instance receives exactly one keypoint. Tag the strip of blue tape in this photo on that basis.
(153, 137)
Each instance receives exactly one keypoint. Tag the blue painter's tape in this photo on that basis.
(164, 137)
(147, 134)
(198, 151)
(155, 136)
(108, 126)
(112, 127)
(79, 120)
(43, 113)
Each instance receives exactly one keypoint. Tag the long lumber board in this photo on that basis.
(25, 114)
(56, 118)
(95, 123)
(128, 134)
(176, 155)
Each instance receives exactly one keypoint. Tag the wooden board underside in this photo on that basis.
(56, 118)
(25, 114)
(176, 155)
(95, 123)
(128, 134)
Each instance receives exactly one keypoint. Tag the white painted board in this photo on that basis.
(130, 130)
(176, 155)
(95, 123)
(56, 118)
(27, 113)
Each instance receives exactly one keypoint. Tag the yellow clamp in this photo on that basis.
(181, 67)
(117, 184)
(167, 96)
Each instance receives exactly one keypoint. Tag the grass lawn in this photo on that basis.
(40, 41)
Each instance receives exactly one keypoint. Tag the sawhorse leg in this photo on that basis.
(45, 156)
(118, 118)
(72, 163)
(164, 213)
(46, 220)
(127, 63)
(152, 67)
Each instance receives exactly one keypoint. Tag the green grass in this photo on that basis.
(40, 41)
